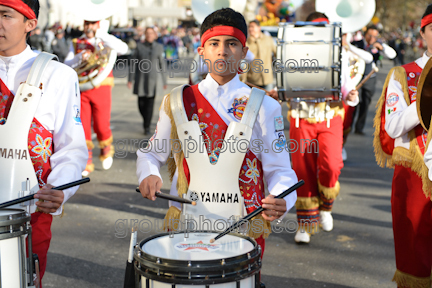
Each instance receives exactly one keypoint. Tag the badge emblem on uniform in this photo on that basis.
(279, 124)
(76, 114)
(392, 99)
(238, 107)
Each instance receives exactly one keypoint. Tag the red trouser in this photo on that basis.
(316, 168)
(41, 237)
(348, 119)
(412, 225)
(96, 104)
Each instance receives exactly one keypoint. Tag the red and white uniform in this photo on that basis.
(318, 157)
(96, 103)
(411, 205)
(350, 109)
(56, 159)
(214, 106)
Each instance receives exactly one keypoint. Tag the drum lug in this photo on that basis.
(223, 273)
(189, 264)
(158, 261)
(249, 256)
(249, 267)
(190, 275)
(223, 262)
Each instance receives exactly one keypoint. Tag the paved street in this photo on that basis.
(86, 252)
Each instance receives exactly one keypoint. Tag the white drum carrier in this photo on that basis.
(227, 168)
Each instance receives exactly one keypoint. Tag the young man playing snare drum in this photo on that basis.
(56, 142)
(215, 103)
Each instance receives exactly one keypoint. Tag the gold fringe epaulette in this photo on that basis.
(412, 158)
(418, 165)
(383, 159)
(182, 184)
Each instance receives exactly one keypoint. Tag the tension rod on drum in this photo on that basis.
(257, 211)
(31, 197)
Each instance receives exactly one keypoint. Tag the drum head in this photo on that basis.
(196, 246)
(424, 96)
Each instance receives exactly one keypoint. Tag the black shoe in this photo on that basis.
(359, 132)
(262, 285)
(147, 131)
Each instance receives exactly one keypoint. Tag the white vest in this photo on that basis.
(17, 175)
(219, 181)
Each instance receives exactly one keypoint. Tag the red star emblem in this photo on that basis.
(201, 248)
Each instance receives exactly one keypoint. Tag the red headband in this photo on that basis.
(426, 20)
(223, 30)
(321, 20)
(19, 6)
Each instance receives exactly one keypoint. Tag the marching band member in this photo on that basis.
(56, 143)
(316, 197)
(350, 51)
(370, 44)
(96, 102)
(400, 143)
(216, 102)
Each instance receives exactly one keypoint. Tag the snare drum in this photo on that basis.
(14, 227)
(309, 62)
(190, 260)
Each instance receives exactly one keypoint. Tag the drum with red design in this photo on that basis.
(188, 259)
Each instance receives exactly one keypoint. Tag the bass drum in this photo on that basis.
(309, 62)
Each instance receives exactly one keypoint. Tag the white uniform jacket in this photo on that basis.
(403, 116)
(276, 166)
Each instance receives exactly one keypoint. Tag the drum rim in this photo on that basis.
(196, 271)
(20, 217)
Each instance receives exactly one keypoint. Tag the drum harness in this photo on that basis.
(17, 174)
(204, 175)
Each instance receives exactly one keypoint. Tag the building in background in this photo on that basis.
(144, 12)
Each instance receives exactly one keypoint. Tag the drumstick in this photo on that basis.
(257, 211)
(171, 197)
(374, 70)
(31, 197)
